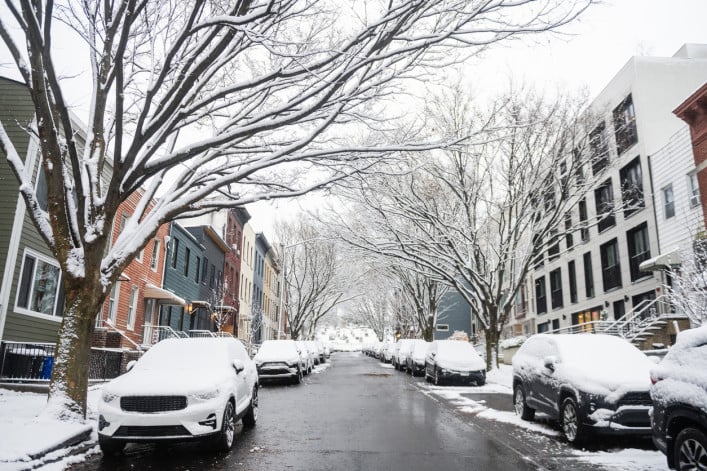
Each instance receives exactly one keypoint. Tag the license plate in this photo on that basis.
(464, 373)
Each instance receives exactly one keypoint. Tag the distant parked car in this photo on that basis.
(402, 347)
(387, 351)
(589, 382)
(181, 389)
(454, 361)
(679, 395)
(415, 360)
(279, 359)
(306, 355)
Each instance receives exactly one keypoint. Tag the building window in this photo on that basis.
(212, 276)
(619, 309)
(572, 274)
(556, 288)
(198, 268)
(638, 250)
(204, 270)
(569, 239)
(632, 187)
(540, 295)
(155, 255)
(443, 327)
(113, 302)
(625, 125)
(544, 327)
(553, 250)
(538, 250)
(599, 146)
(175, 252)
(668, 201)
(588, 275)
(132, 307)
(693, 189)
(40, 290)
(604, 201)
(610, 265)
(584, 229)
(187, 259)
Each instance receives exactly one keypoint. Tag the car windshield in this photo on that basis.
(277, 347)
(184, 354)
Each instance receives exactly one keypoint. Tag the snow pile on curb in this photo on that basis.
(629, 459)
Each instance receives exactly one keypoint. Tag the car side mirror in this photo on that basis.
(549, 362)
(130, 365)
(238, 365)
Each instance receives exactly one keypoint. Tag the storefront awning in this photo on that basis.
(162, 295)
(666, 260)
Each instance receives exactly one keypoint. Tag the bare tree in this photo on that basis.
(210, 104)
(478, 215)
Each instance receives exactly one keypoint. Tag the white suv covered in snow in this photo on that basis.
(181, 389)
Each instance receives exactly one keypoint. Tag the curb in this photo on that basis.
(74, 444)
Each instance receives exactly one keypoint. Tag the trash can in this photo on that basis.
(47, 367)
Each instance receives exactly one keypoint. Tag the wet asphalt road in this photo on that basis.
(355, 415)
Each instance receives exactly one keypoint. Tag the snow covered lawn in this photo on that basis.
(24, 434)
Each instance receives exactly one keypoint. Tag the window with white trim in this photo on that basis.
(693, 189)
(113, 303)
(132, 307)
(40, 290)
(155, 254)
(668, 202)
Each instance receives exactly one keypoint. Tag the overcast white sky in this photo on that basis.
(594, 49)
(589, 55)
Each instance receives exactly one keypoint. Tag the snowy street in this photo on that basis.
(359, 414)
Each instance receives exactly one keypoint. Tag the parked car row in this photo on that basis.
(440, 361)
(602, 384)
(288, 360)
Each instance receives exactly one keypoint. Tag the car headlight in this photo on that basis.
(206, 395)
(108, 396)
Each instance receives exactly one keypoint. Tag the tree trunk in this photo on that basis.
(492, 335)
(69, 383)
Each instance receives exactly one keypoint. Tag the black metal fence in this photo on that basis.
(27, 361)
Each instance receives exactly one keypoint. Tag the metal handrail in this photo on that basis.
(122, 334)
(201, 333)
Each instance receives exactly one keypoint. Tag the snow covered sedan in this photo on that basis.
(679, 395)
(454, 361)
(589, 382)
(279, 359)
(415, 361)
(181, 389)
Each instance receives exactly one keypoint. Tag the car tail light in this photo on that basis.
(655, 378)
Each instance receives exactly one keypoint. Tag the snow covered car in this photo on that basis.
(402, 346)
(279, 359)
(387, 352)
(454, 361)
(306, 356)
(181, 389)
(589, 382)
(679, 393)
(415, 360)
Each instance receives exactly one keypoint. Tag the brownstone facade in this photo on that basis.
(694, 112)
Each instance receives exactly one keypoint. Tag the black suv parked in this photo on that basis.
(589, 382)
(679, 394)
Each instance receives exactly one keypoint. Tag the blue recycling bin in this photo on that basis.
(47, 367)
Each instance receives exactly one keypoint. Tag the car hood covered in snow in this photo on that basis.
(167, 382)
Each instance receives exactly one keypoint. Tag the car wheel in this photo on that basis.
(571, 422)
(521, 407)
(298, 377)
(690, 451)
(110, 447)
(224, 440)
(251, 416)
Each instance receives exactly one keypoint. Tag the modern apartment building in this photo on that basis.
(595, 273)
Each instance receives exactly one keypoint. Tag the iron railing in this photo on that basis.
(29, 361)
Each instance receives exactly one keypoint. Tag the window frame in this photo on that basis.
(693, 187)
(668, 205)
(635, 259)
(610, 274)
(632, 194)
(154, 261)
(132, 307)
(59, 299)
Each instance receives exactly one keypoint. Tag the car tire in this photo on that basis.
(298, 377)
(251, 416)
(225, 438)
(690, 449)
(571, 422)
(110, 447)
(519, 404)
(481, 382)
